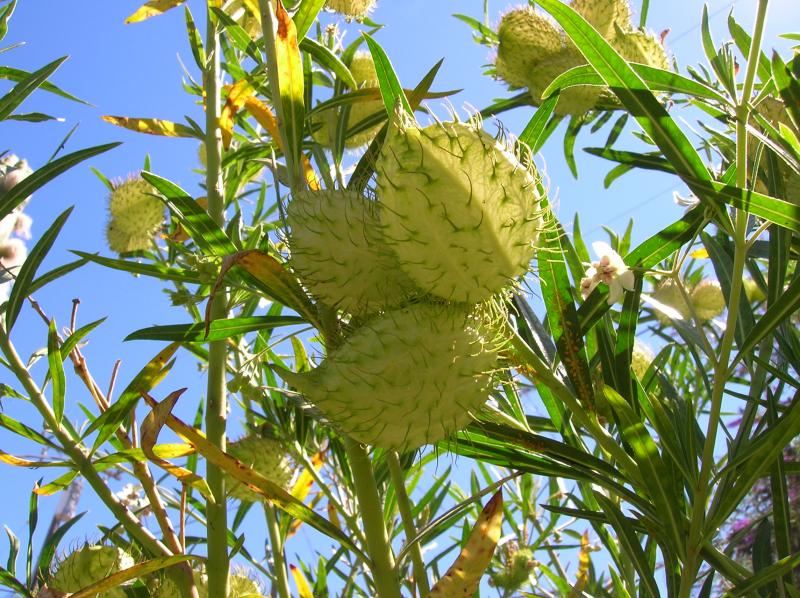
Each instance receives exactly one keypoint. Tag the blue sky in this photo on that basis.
(134, 70)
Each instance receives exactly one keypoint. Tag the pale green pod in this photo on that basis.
(89, 565)
(603, 15)
(459, 208)
(526, 37)
(575, 100)
(132, 203)
(406, 378)
(707, 299)
(266, 456)
(643, 48)
(239, 586)
(669, 294)
(339, 252)
(641, 358)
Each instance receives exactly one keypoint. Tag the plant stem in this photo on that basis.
(75, 452)
(216, 408)
(378, 546)
(278, 560)
(702, 492)
(404, 506)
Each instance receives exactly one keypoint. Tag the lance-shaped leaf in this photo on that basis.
(254, 480)
(151, 426)
(151, 126)
(464, 576)
(152, 9)
(10, 101)
(218, 329)
(303, 588)
(56, 370)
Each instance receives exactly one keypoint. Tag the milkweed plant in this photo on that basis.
(382, 297)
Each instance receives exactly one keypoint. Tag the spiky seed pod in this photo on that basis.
(338, 251)
(353, 9)
(515, 572)
(603, 15)
(526, 37)
(459, 208)
(641, 358)
(642, 47)
(89, 565)
(707, 299)
(136, 216)
(408, 377)
(670, 295)
(574, 100)
(266, 456)
(362, 67)
(239, 586)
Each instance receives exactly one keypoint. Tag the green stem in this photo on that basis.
(216, 408)
(703, 489)
(76, 454)
(378, 546)
(278, 560)
(404, 506)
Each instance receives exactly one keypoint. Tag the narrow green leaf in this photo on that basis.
(27, 271)
(788, 87)
(391, 90)
(57, 376)
(55, 274)
(536, 133)
(570, 136)
(5, 15)
(153, 270)
(11, 582)
(21, 429)
(651, 161)
(10, 101)
(218, 330)
(33, 520)
(743, 40)
(194, 219)
(329, 60)
(76, 337)
(46, 173)
(766, 575)
(305, 16)
(17, 75)
(13, 551)
(195, 39)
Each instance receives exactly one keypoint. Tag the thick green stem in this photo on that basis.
(278, 560)
(216, 408)
(74, 451)
(404, 506)
(369, 504)
(697, 531)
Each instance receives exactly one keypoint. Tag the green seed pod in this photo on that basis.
(573, 100)
(643, 48)
(459, 208)
(408, 377)
(136, 216)
(603, 15)
(515, 572)
(338, 251)
(353, 9)
(641, 358)
(122, 241)
(526, 37)
(708, 300)
(670, 295)
(362, 67)
(89, 565)
(239, 586)
(266, 456)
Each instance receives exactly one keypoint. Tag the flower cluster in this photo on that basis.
(12, 248)
(611, 270)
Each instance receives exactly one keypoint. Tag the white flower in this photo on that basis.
(133, 497)
(688, 202)
(609, 269)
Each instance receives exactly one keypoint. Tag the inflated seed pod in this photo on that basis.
(136, 216)
(642, 47)
(574, 100)
(670, 295)
(239, 586)
(339, 252)
(526, 37)
(408, 377)
(707, 299)
(266, 456)
(89, 565)
(604, 15)
(353, 9)
(459, 208)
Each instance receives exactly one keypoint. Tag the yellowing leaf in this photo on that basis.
(303, 589)
(305, 481)
(152, 9)
(464, 576)
(151, 126)
(56, 485)
(699, 254)
(584, 561)
(19, 462)
(237, 95)
(290, 81)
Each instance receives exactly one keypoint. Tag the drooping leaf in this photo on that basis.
(151, 126)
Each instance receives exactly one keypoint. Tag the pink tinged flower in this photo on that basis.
(22, 227)
(609, 269)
